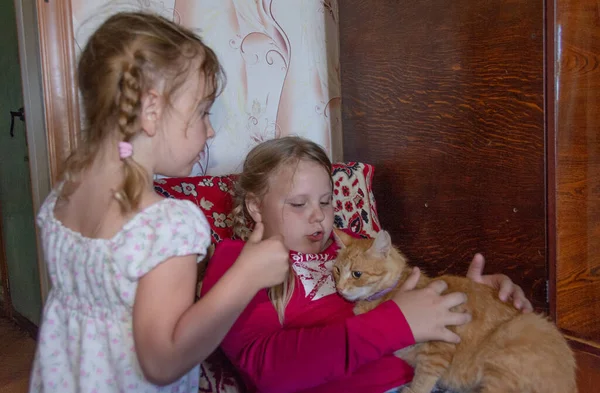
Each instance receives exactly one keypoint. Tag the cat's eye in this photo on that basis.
(336, 270)
(356, 274)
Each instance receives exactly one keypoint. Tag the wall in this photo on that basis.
(15, 187)
(282, 64)
(447, 101)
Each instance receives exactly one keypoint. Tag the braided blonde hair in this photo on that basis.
(126, 57)
(262, 162)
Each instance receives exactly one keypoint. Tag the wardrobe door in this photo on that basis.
(574, 181)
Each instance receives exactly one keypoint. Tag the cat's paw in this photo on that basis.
(407, 390)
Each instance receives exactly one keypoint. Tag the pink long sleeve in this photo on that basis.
(290, 360)
(322, 348)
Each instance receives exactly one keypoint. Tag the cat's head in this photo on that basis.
(366, 266)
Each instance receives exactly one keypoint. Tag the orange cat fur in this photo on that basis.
(502, 350)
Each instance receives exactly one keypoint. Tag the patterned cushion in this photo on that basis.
(353, 199)
(354, 206)
(212, 194)
(217, 375)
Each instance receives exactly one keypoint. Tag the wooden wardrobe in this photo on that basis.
(482, 119)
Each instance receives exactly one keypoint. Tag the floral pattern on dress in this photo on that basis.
(86, 337)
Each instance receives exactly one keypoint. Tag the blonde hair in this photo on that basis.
(126, 57)
(262, 162)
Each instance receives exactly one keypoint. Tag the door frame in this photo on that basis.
(58, 66)
(40, 30)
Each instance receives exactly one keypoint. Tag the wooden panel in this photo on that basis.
(573, 123)
(578, 170)
(446, 99)
(588, 359)
(55, 22)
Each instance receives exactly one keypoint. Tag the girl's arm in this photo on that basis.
(279, 360)
(172, 334)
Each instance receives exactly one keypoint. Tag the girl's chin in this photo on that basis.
(313, 248)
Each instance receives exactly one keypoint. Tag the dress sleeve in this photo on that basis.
(46, 211)
(277, 359)
(171, 228)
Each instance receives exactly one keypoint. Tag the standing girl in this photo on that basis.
(301, 336)
(122, 261)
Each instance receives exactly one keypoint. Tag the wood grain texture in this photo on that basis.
(588, 377)
(578, 169)
(446, 100)
(57, 49)
(17, 350)
(588, 362)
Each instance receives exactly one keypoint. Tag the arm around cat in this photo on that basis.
(279, 359)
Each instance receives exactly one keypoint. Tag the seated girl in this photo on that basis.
(301, 336)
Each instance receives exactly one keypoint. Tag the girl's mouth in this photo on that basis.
(316, 237)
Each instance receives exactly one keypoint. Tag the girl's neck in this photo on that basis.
(109, 165)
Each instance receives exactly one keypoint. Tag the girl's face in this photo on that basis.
(186, 128)
(298, 207)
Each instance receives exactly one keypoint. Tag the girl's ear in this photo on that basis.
(151, 111)
(253, 207)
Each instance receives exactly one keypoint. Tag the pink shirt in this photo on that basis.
(322, 347)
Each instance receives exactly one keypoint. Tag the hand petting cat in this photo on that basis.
(428, 312)
(507, 289)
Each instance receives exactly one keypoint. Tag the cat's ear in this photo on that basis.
(341, 238)
(382, 245)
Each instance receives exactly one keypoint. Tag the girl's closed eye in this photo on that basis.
(326, 201)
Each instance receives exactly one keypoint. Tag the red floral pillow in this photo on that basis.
(212, 194)
(353, 200)
(217, 375)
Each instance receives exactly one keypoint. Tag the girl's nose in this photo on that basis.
(210, 131)
(317, 214)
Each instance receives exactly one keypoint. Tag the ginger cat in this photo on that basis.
(501, 351)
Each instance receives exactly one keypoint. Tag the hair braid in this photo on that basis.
(129, 106)
(241, 219)
(130, 99)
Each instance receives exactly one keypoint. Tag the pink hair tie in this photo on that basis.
(125, 150)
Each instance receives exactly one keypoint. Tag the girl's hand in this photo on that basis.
(266, 261)
(507, 288)
(428, 312)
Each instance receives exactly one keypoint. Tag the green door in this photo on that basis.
(15, 185)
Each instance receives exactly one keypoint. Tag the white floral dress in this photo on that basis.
(85, 340)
